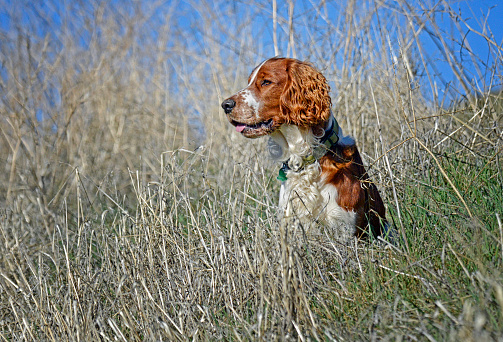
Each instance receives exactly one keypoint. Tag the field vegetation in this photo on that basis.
(131, 210)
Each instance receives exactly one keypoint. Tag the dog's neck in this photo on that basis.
(292, 144)
(297, 146)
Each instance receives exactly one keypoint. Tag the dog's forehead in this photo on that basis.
(271, 66)
(255, 72)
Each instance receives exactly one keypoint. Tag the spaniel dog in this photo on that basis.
(323, 177)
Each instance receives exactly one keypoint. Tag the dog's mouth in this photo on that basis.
(255, 130)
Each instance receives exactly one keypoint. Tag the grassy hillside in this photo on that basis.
(131, 210)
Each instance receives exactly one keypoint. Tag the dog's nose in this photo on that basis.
(227, 105)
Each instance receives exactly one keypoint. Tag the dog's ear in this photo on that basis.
(306, 98)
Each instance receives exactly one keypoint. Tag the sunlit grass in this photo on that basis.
(125, 216)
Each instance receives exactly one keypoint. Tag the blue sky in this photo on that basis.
(485, 16)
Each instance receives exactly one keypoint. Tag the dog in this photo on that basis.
(322, 176)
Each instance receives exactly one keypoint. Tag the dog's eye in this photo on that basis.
(265, 83)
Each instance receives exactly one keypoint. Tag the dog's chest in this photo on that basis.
(315, 199)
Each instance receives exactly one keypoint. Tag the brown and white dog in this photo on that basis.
(323, 177)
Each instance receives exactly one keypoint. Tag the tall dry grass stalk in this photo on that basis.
(132, 211)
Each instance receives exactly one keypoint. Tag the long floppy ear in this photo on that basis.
(306, 99)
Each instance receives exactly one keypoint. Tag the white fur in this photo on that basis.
(295, 143)
(250, 100)
(306, 194)
(343, 221)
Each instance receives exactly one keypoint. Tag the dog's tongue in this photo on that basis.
(240, 127)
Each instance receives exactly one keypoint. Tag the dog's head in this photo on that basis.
(280, 91)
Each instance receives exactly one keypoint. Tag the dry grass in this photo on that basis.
(130, 210)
